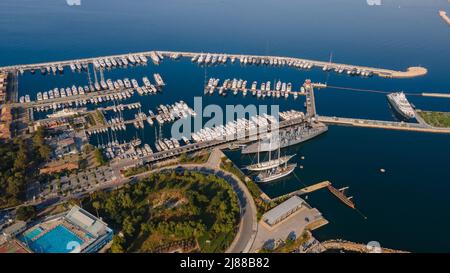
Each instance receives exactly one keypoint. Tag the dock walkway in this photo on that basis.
(382, 72)
(380, 124)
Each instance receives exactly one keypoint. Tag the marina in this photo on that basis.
(110, 91)
(208, 58)
(367, 145)
(279, 90)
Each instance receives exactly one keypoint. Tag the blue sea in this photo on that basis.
(405, 208)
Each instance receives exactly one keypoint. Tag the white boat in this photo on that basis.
(64, 113)
(275, 173)
(265, 165)
(401, 105)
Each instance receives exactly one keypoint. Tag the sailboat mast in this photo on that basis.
(270, 149)
(259, 148)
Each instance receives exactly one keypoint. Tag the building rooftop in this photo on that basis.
(283, 209)
(14, 228)
(87, 221)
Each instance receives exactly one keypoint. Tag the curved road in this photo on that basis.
(248, 224)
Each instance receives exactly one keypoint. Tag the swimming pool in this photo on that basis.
(32, 233)
(57, 240)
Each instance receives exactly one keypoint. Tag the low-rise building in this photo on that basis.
(65, 146)
(14, 229)
(282, 211)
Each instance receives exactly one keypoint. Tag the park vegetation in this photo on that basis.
(169, 207)
(19, 160)
(436, 119)
(262, 205)
(136, 170)
(99, 157)
(199, 158)
(25, 213)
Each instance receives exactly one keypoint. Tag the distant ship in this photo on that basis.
(287, 137)
(401, 105)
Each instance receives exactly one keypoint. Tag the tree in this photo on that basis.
(45, 152)
(99, 157)
(87, 148)
(21, 161)
(183, 158)
(96, 206)
(128, 226)
(25, 213)
(117, 244)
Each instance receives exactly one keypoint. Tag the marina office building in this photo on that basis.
(284, 210)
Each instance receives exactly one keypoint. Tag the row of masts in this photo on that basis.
(272, 169)
(275, 89)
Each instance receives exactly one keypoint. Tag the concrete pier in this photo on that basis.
(444, 16)
(380, 124)
(382, 72)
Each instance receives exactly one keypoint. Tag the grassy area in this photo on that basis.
(100, 117)
(90, 120)
(99, 157)
(169, 207)
(228, 166)
(136, 170)
(196, 159)
(261, 205)
(437, 119)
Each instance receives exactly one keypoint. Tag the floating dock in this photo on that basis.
(261, 90)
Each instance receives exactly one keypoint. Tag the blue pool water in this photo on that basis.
(57, 240)
(33, 233)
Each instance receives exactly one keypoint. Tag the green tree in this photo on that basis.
(21, 161)
(97, 206)
(128, 226)
(99, 157)
(25, 213)
(117, 244)
(45, 152)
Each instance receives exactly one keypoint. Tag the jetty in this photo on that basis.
(157, 56)
(444, 16)
(339, 193)
(437, 95)
(380, 124)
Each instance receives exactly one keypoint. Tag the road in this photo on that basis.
(248, 224)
